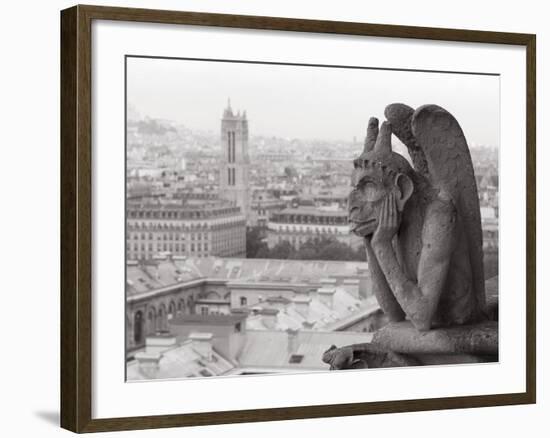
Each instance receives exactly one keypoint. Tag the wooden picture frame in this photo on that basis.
(76, 217)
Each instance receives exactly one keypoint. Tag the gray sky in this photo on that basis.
(306, 102)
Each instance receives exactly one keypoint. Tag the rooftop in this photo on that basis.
(209, 319)
(150, 276)
(310, 345)
(181, 362)
(304, 352)
(311, 312)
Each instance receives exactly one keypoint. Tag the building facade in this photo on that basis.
(235, 162)
(302, 291)
(298, 225)
(184, 228)
(263, 209)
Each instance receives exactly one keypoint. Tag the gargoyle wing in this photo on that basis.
(400, 116)
(439, 151)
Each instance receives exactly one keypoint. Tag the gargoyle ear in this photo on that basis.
(405, 185)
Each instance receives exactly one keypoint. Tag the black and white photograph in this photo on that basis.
(292, 218)
(276, 219)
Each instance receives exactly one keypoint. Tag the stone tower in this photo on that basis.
(235, 161)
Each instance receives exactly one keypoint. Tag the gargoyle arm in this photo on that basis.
(420, 300)
(384, 296)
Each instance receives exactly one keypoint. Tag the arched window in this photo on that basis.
(181, 306)
(171, 310)
(151, 326)
(138, 327)
(161, 318)
(213, 295)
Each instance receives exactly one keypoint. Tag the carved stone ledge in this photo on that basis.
(476, 339)
(400, 344)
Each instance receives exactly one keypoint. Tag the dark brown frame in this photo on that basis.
(76, 218)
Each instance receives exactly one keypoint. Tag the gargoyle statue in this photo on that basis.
(421, 226)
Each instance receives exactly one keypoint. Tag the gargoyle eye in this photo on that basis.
(370, 189)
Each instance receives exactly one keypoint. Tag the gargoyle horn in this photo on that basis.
(372, 134)
(383, 142)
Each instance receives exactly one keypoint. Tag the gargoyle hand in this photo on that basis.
(388, 222)
(339, 358)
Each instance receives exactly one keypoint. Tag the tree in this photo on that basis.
(306, 254)
(283, 250)
(320, 248)
(255, 243)
(263, 253)
(291, 172)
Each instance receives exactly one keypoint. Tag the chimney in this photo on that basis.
(328, 282)
(148, 363)
(301, 303)
(202, 344)
(351, 285)
(326, 295)
(269, 318)
(312, 292)
(293, 342)
(159, 343)
(156, 270)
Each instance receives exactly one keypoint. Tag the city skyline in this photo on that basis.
(239, 266)
(191, 92)
(397, 144)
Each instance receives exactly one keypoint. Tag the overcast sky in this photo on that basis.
(306, 102)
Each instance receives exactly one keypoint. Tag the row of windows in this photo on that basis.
(158, 226)
(166, 247)
(299, 239)
(142, 247)
(147, 323)
(207, 310)
(229, 237)
(150, 255)
(307, 219)
(155, 317)
(169, 236)
(294, 229)
(155, 214)
(151, 226)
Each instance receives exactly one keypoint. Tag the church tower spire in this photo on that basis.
(228, 112)
(235, 161)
